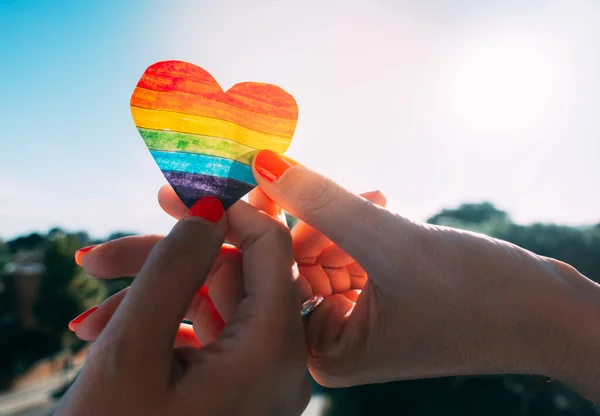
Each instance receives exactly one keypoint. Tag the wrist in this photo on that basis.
(570, 349)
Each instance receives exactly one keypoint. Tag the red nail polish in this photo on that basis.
(208, 308)
(186, 337)
(81, 318)
(80, 253)
(210, 208)
(270, 165)
(202, 293)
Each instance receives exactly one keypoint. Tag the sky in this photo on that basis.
(435, 103)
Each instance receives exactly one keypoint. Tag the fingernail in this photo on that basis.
(81, 252)
(81, 318)
(209, 207)
(202, 293)
(270, 165)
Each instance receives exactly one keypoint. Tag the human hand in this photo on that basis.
(212, 305)
(132, 368)
(437, 301)
(424, 301)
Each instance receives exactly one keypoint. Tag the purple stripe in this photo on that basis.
(190, 187)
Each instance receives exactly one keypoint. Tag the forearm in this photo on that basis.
(545, 314)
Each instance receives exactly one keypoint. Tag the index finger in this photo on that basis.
(272, 301)
(309, 243)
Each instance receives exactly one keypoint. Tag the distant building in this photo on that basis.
(22, 276)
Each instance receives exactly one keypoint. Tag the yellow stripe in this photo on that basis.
(184, 123)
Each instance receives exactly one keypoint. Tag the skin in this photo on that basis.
(133, 368)
(408, 300)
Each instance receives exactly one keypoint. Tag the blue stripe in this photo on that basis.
(203, 165)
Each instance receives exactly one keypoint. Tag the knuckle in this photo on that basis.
(281, 232)
(319, 195)
(171, 254)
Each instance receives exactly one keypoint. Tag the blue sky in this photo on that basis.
(433, 102)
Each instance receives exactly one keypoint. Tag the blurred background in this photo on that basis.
(481, 115)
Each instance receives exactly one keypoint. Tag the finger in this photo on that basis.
(324, 280)
(329, 208)
(177, 267)
(93, 325)
(186, 337)
(316, 278)
(91, 328)
(304, 288)
(225, 284)
(122, 257)
(309, 243)
(208, 322)
(262, 202)
(259, 200)
(265, 334)
(352, 295)
(326, 323)
(339, 279)
(334, 256)
(358, 276)
(271, 304)
(170, 202)
(376, 197)
(126, 256)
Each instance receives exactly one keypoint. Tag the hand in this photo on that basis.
(133, 368)
(324, 269)
(438, 301)
(434, 301)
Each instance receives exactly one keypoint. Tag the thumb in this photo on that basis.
(176, 268)
(349, 220)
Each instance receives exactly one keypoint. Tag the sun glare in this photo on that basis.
(503, 83)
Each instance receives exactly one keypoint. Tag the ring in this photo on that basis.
(311, 304)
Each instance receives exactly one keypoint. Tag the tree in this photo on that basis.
(29, 242)
(470, 214)
(4, 256)
(119, 234)
(64, 290)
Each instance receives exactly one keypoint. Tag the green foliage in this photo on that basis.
(116, 285)
(119, 234)
(470, 214)
(65, 290)
(579, 247)
(28, 242)
(4, 256)
(290, 220)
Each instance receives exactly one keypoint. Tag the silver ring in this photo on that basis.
(311, 304)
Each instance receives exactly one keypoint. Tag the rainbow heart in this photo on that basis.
(204, 139)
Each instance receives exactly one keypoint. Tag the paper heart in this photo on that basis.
(204, 139)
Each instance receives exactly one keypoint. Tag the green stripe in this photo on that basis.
(172, 141)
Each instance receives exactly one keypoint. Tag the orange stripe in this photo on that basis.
(196, 105)
(265, 93)
(260, 98)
